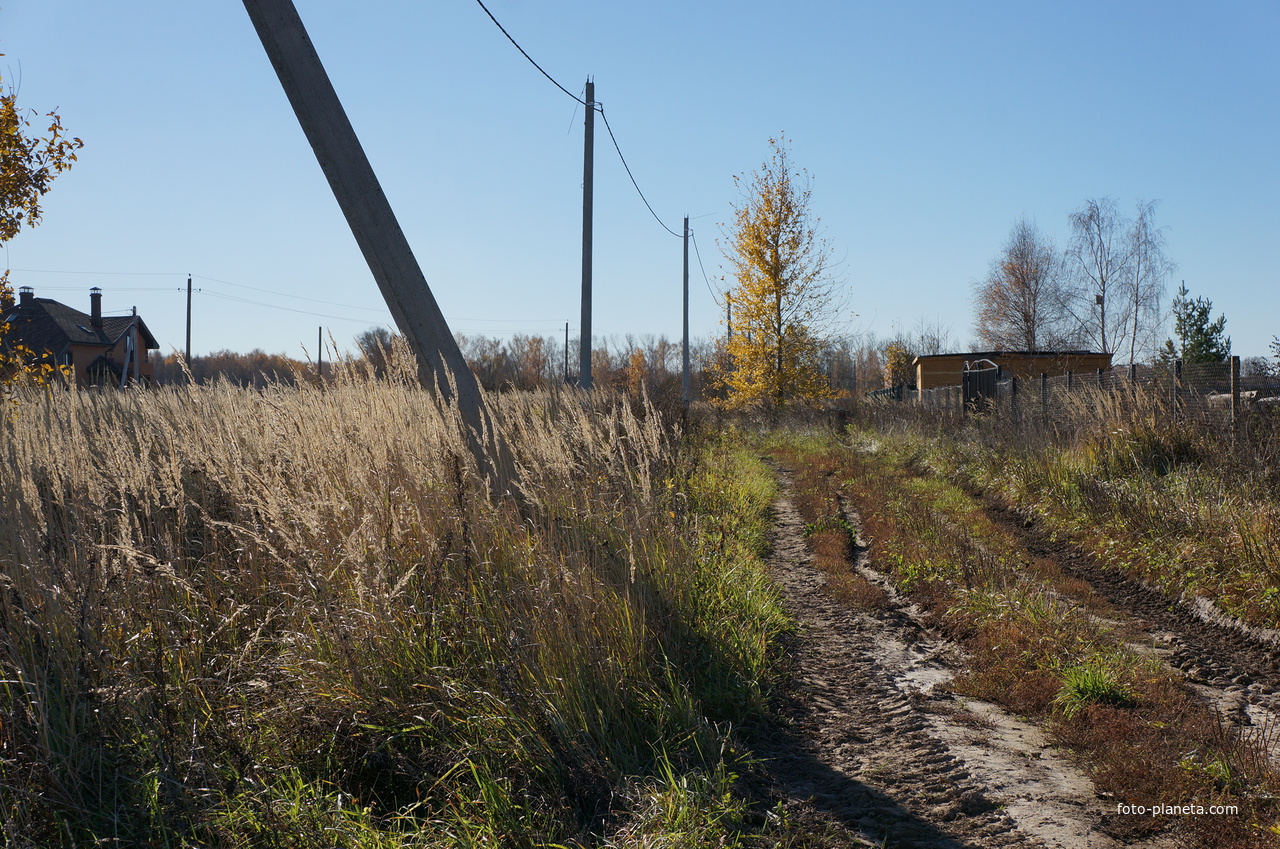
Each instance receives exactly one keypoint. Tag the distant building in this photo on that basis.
(102, 350)
(947, 369)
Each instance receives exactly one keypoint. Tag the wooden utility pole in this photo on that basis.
(372, 221)
(685, 358)
(319, 354)
(588, 177)
(566, 352)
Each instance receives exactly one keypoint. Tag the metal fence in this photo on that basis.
(1215, 392)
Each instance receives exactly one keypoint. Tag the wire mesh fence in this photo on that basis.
(1215, 393)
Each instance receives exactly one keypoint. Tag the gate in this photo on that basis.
(979, 384)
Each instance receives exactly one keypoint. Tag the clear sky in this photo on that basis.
(928, 128)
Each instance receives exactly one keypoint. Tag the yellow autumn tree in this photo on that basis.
(784, 295)
(28, 165)
(897, 364)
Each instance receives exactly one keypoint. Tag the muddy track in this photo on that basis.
(1234, 667)
(866, 739)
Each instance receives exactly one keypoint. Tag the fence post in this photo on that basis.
(1133, 372)
(1235, 390)
(1177, 384)
(1044, 397)
(1071, 380)
(1102, 380)
(1013, 397)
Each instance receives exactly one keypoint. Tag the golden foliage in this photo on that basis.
(897, 365)
(28, 165)
(783, 295)
(19, 364)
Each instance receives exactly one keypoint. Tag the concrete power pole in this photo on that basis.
(684, 395)
(372, 221)
(588, 177)
(188, 322)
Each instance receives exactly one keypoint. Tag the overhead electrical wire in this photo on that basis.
(593, 105)
(114, 289)
(705, 279)
(632, 176)
(287, 309)
(288, 295)
(100, 273)
(237, 299)
(530, 58)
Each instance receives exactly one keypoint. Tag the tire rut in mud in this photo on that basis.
(852, 742)
(1234, 667)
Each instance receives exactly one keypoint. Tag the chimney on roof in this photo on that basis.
(26, 299)
(95, 307)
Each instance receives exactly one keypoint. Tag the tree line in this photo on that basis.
(784, 336)
(1105, 291)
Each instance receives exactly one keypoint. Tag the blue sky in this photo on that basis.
(928, 129)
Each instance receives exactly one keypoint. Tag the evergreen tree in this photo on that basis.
(1201, 339)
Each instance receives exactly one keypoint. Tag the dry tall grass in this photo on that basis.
(293, 617)
(1186, 502)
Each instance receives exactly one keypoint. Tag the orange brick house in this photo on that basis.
(102, 350)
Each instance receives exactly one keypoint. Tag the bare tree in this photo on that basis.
(1020, 303)
(375, 345)
(1098, 259)
(1149, 267)
(930, 337)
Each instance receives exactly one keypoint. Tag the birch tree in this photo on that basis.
(1098, 257)
(1149, 267)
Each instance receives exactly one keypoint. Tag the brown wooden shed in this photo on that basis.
(937, 370)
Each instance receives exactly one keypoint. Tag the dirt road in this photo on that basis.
(869, 740)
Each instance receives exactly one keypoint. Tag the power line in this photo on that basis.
(99, 273)
(287, 294)
(530, 58)
(114, 289)
(632, 176)
(595, 106)
(698, 253)
(288, 309)
(197, 276)
(505, 320)
(237, 299)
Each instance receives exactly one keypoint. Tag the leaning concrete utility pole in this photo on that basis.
(588, 178)
(368, 213)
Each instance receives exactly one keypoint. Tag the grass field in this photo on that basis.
(295, 618)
